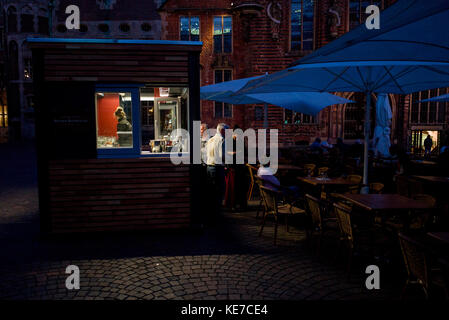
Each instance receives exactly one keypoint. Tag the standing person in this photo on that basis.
(235, 179)
(215, 150)
(204, 138)
(428, 143)
(123, 125)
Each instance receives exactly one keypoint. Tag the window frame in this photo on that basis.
(415, 107)
(361, 12)
(290, 48)
(314, 118)
(134, 152)
(222, 34)
(190, 27)
(223, 103)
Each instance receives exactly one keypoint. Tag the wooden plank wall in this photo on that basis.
(118, 194)
(117, 63)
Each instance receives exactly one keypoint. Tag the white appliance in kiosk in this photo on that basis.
(167, 117)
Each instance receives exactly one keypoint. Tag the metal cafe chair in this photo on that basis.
(273, 207)
(419, 272)
(356, 180)
(258, 181)
(376, 187)
(309, 168)
(346, 232)
(322, 171)
(319, 224)
(252, 173)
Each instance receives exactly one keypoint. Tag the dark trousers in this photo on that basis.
(216, 184)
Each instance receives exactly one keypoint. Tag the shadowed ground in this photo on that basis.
(228, 261)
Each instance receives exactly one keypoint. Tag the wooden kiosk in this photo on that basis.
(106, 111)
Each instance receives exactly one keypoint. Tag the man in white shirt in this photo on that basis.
(215, 160)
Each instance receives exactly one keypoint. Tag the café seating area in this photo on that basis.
(398, 222)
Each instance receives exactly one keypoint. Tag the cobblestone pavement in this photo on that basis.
(228, 261)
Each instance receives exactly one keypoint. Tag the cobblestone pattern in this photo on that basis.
(228, 261)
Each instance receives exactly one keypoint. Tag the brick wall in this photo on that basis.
(256, 50)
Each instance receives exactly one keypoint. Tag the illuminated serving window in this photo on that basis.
(142, 121)
(114, 120)
(163, 112)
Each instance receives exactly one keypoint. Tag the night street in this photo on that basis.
(226, 262)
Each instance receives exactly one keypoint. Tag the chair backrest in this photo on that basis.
(414, 258)
(322, 170)
(415, 187)
(356, 179)
(310, 167)
(314, 208)
(252, 171)
(376, 187)
(402, 185)
(344, 223)
(269, 198)
(426, 197)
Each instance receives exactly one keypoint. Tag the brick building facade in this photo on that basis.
(268, 36)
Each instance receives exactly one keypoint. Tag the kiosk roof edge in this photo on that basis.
(114, 41)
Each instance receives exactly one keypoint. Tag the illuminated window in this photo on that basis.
(291, 117)
(428, 112)
(114, 120)
(223, 110)
(223, 34)
(189, 28)
(302, 15)
(3, 114)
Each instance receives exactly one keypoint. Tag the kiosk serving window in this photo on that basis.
(114, 120)
(141, 121)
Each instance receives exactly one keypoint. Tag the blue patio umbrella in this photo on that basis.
(305, 102)
(409, 53)
(442, 98)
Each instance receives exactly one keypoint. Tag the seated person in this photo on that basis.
(270, 181)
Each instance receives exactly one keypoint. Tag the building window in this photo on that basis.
(103, 27)
(354, 117)
(42, 25)
(12, 19)
(302, 30)
(291, 117)
(223, 34)
(61, 28)
(146, 27)
(357, 11)
(124, 27)
(428, 112)
(27, 19)
(3, 113)
(27, 69)
(13, 61)
(223, 110)
(83, 28)
(189, 28)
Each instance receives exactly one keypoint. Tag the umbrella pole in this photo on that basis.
(265, 116)
(365, 187)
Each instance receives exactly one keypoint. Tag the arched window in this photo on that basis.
(12, 19)
(42, 21)
(13, 60)
(27, 19)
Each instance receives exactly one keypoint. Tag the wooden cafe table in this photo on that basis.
(433, 179)
(383, 205)
(317, 181)
(380, 202)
